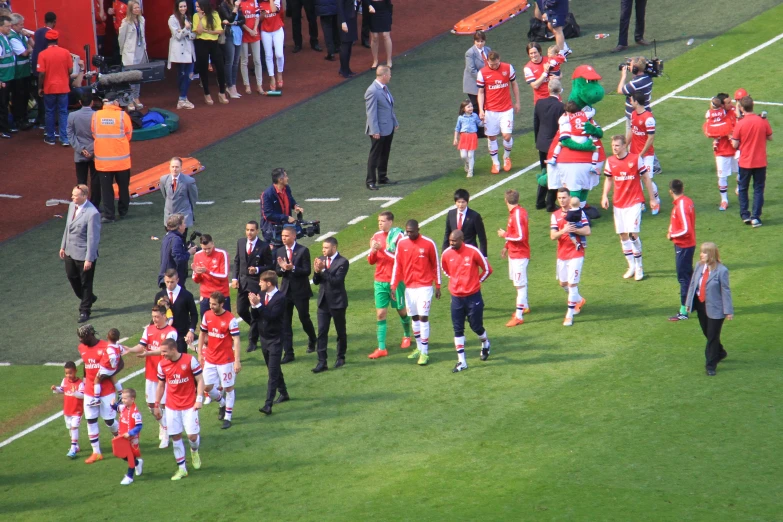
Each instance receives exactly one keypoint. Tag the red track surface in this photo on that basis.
(39, 172)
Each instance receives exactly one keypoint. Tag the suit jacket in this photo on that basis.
(182, 201)
(718, 299)
(173, 254)
(332, 294)
(295, 284)
(381, 118)
(260, 257)
(269, 318)
(545, 126)
(184, 311)
(272, 211)
(473, 64)
(472, 227)
(80, 134)
(82, 235)
(346, 14)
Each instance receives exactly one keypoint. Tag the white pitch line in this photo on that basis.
(140, 203)
(323, 200)
(328, 234)
(776, 104)
(382, 198)
(390, 202)
(250, 201)
(357, 219)
(10, 196)
(55, 202)
(5, 364)
(205, 202)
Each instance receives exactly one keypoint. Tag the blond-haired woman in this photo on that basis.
(133, 43)
(710, 296)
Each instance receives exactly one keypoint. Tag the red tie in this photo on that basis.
(459, 221)
(75, 211)
(171, 297)
(328, 262)
(266, 300)
(290, 256)
(174, 185)
(703, 285)
(249, 248)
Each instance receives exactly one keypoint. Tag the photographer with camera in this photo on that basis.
(277, 202)
(173, 252)
(643, 71)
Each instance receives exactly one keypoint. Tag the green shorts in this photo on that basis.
(383, 296)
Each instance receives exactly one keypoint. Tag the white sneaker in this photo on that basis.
(629, 273)
(470, 174)
(139, 467)
(639, 274)
(164, 443)
(459, 367)
(207, 400)
(126, 481)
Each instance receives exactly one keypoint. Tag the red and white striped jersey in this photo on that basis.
(416, 263)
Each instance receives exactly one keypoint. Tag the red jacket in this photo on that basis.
(416, 263)
(215, 279)
(466, 269)
(682, 228)
(517, 241)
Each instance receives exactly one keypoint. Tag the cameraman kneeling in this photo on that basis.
(277, 202)
(173, 253)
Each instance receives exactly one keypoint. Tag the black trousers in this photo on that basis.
(378, 162)
(711, 328)
(683, 260)
(625, 20)
(325, 316)
(122, 177)
(545, 198)
(5, 95)
(83, 169)
(272, 349)
(365, 28)
(20, 94)
(182, 346)
(40, 117)
(345, 57)
(295, 8)
(243, 309)
(81, 282)
(206, 51)
(331, 30)
(303, 309)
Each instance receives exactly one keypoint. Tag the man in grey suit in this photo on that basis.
(475, 60)
(381, 124)
(80, 137)
(79, 248)
(179, 194)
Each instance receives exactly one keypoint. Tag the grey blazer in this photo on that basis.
(80, 134)
(381, 118)
(718, 298)
(182, 201)
(473, 64)
(82, 235)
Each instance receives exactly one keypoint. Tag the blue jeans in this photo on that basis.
(471, 307)
(56, 107)
(231, 55)
(759, 176)
(683, 260)
(183, 78)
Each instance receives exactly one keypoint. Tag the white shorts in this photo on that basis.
(576, 176)
(104, 410)
(72, 422)
(418, 300)
(219, 374)
(151, 391)
(569, 270)
(735, 163)
(517, 271)
(176, 420)
(648, 162)
(725, 165)
(107, 371)
(628, 220)
(497, 123)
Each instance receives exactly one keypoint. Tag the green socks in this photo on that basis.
(683, 310)
(406, 325)
(382, 334)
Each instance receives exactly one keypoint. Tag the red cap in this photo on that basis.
(740, 93)
(587, 72)
(52, 34)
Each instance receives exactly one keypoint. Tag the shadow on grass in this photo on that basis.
(547, 358)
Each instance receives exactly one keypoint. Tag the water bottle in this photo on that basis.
(601, 36)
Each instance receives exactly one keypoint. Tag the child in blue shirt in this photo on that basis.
(466, 135)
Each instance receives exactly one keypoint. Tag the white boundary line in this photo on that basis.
(710, 99)
(10, 196)
(481, 193)
(322, 200)
(357, 219)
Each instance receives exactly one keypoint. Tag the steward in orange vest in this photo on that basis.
(112, 129)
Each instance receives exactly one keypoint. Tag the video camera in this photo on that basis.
(114, 83)
(653, 67)
(192, 239)
(303, 229)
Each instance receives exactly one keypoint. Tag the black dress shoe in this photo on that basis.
(642, 41)
(320, 367)
(339, 362)
(366, 43)
(317, 48)
(711, 373)
(619, 48)
(329, 57)
(83, 318)
(310, 347)
(723, 355)
(221, 412)
(252, 346)
(94, 298)
(266, 410)
(297, 48)
(372, 186)
(282, 398)
(287, 358)
(386, 181)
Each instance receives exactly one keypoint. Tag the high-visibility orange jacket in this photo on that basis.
(112, 129)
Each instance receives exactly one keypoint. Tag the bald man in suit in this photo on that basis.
(381, 124)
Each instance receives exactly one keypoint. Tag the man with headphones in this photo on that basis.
(641, 83)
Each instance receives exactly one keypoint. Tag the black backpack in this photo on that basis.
(571, 29)
(539, 32)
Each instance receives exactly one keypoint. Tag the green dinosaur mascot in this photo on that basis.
(571, 159)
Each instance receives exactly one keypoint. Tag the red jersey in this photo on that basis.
(55, 61)
(111, 357)
(720, 124)
(221, 330)
(100, 25)
(517, 240)
(497, 86)
(252, 13)
(180, 378)
(626, 173)
(533, 72)
(466, 269)
(92, 357)
(130, 417)
(416, 263)
(642, 125)
(151, 340)
(215, 279)
(73, 397)
(565, 247)
(751, 132)
(554, 67)
(382, 259)
(120, 11)
(682, 227)
(270, 21)
(576, 156)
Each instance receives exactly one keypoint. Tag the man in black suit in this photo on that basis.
(330, 271)
(254, 257)
(467, 220)
(267, 310)
(293, 266)
(183, 308)
(545, 127)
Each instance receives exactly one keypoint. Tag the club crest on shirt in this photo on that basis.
(467, 260)
(630, 165)
(162, 336)
(100, 352)
(505, 73)
(222, 323)
(183, 366)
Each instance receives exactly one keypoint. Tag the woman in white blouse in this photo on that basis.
(181, 51)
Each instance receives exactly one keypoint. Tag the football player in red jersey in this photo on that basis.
(496, 81)
(72, 388)
(517, 248)
(130, 428)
